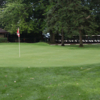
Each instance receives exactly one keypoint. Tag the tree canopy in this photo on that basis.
(62, 17)
(25, 14)
(70, 18)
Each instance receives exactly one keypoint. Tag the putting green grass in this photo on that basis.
(45, 55)
(49, 72)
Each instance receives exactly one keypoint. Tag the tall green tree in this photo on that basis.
(25, 14)
(94, 5)
(49, 22)
(71, 18)
(81, 20)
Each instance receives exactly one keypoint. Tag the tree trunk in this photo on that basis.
(52, 38)
(41, 36)
(57, 38)
(62, 39)
(80, 38)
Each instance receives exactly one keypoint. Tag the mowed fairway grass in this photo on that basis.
(49, 72)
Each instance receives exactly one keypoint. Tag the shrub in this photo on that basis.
(3, 40)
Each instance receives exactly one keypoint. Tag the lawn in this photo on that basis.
(49, 72)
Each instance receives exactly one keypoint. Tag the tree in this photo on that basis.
(53, 22)
(14, 15)
(25, 14)
(71, 18)
(95, 6)
(49, 23)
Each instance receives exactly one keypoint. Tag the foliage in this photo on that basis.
(71, 17)
(27, 15)
(56, 16)
(94, 5)
(3, 40)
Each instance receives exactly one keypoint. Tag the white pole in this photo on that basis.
(19, 45)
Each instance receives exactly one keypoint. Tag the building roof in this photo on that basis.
(3, 31)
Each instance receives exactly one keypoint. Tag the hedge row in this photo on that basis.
(3, 40)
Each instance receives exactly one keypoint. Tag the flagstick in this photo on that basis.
(18, 34)
(19, 45)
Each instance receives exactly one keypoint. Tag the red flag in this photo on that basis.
(18, 34)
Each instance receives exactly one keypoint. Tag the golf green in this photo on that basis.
(45, 55)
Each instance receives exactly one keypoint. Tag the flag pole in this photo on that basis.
(18, 34)
(19, 45)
